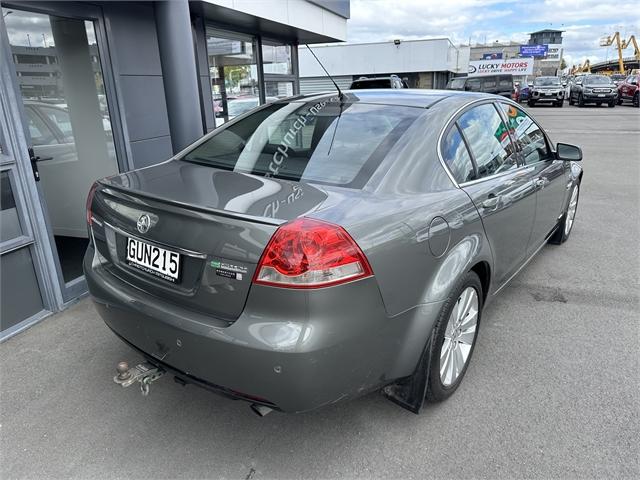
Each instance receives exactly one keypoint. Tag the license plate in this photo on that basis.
(601, 94)
(154, 260)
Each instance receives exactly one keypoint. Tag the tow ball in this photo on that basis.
(144, 373)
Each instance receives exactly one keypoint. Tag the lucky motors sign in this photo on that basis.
(511, 66)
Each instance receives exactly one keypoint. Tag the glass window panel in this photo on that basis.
(457, 157)
(323, 143)
(527, 134)
(234, 75)
(276, 59)
(488, 140)
(10, 227)
(276, 90)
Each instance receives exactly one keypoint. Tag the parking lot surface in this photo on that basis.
(552, 390)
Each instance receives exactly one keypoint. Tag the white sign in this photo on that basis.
(554, 53)
(509, 66)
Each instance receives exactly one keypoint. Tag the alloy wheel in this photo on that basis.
(459, 336)
(571, 211)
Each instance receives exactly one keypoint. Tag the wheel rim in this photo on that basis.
(571, 211)
(459, 336)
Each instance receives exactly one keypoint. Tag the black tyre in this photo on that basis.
(568, 219)
(580, 100)
(454, 338)
(636, 102)
(560, 104)
(531, 103)
(571, 102)
(612, 104)
(619, 100)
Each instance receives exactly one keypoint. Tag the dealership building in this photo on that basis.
(90, 89)
(421, 63)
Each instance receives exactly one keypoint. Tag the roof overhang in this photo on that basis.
(246, 22)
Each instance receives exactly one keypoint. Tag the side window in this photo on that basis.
(38, 130)
(473, 84)
(488, 140)
(489, 84)
(60, 119)
(456, 156)
(527, 135)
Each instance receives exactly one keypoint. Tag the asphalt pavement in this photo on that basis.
(552, 391)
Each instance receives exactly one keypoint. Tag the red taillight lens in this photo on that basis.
(309, 253)
(92, 192)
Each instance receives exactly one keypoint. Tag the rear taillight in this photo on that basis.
(307, 253)
(92, 192)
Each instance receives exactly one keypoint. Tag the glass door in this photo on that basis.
(67, 122)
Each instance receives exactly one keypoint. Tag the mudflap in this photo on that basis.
(410, 392)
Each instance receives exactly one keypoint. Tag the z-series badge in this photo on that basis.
(228, 270)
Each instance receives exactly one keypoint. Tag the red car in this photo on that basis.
(628, 90)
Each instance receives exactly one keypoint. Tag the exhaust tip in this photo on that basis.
(260, 410)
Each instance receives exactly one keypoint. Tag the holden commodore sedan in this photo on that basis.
(322, 247)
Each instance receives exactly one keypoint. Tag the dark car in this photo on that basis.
(546, 90)
(628, 90)
(596, 89)
(322, 247)
(495, 84)
(392, 81)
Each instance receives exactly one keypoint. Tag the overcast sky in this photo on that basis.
(584, 21)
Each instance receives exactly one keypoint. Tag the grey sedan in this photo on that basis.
(321, 247)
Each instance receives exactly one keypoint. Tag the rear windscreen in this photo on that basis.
(325, 142)
(363, 84)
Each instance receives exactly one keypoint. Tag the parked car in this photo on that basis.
(392, 81)
(496, 84)
(321, 247)
(546, 90)
(596, 89)
(618, 78)
(628, 90)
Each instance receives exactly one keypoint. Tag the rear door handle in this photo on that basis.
(491, 203)
(541, 182)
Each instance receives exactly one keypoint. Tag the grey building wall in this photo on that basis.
(135, 59)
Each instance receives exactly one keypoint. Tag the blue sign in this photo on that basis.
(492, 56)
(533, 50)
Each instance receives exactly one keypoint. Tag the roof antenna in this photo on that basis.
(340, 94)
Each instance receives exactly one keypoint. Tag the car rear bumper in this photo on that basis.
(293, 350)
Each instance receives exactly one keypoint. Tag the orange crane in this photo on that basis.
(621, 44)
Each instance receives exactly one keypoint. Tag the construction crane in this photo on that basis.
(621, 44)
(583, 68)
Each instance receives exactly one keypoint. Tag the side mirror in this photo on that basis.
(567, 152)
(530, 85)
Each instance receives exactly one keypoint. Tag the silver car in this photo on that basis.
(319, 248)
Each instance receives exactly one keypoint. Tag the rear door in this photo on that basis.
(548, 175)
(502, 191)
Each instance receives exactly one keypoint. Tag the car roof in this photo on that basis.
(407, 97)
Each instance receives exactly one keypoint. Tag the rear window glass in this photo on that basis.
(456, 84)
(363, 84)
(324, 142)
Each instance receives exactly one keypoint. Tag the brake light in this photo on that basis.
(92, 192)
(308, 253)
